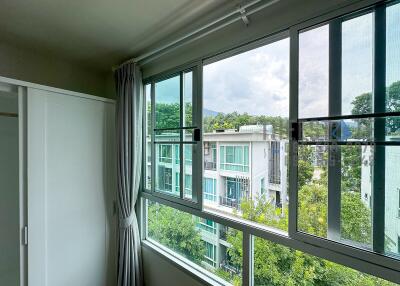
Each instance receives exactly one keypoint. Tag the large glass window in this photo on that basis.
(346, 185)
(170, 134)
(336, 143)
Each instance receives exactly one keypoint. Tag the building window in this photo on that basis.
(210, 189)
(207, 225)
(275, 163)
(188, 185)
(164, 182)
(210, 256)
(210, 156)
(165, 152)
(234, 158)
(236, 191)
(262, 186)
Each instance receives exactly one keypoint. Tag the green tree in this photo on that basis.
(275, 264)
(355, 218)
(362, 104)
(176, 230)
(351, 168)
(305, 165)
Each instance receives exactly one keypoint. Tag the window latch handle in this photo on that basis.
(196, 135)
(295, 130)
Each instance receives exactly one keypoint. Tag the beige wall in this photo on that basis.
(38, 67)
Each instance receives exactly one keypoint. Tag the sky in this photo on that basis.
(257, 81)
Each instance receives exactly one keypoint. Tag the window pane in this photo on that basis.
(314, 72)
(313, 189)
(148, 132)
(246, 110)
(350, 130)
(188, 98)
(188, 158)
(167, 103)
(167, 166)
(357, 51)
(356, 195)
(275, 264)
(214, 247)
(393, 59)
(392, 200)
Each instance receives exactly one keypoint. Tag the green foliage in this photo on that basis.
(355, 218)
(351, 168)
(262, 211)
(275, 264)
(362, 104)
(305, 166)
(176, 230)
(234, 120)
(312, 213)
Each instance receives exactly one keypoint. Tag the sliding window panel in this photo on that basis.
(174, 143)
(312, 176)
(213, 247)
(355, 200)
(167, 103)
(167, 167)
(245, 138)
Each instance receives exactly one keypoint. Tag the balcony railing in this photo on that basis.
(210, 166)
(227, 266)
(228, 202)
(223, 232)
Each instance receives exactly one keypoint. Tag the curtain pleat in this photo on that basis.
(129, 155)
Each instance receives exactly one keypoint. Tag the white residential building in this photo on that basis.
(238, 165)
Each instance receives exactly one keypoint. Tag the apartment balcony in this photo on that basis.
(228, 202)
(223, 232)
(210, 165)
(274, 179)
(228, 267)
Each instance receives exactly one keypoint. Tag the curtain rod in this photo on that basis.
(238, 14)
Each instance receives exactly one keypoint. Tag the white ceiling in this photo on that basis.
(102, 33)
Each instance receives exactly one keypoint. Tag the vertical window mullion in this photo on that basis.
(335, 109)
(181, 135)
(197, 154)
(248, 253)
(379, 100)
(153, 137)
(293, 121)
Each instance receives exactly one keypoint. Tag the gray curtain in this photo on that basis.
(129, 155)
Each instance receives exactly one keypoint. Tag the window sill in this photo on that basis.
(195, 271)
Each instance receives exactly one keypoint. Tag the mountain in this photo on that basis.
(208, 112)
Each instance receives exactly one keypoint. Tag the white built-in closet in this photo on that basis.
(57, 187)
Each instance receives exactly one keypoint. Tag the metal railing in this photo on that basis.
(210, 165)
(227, 266)
(229, 202)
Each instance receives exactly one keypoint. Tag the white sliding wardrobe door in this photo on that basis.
(71, 188)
